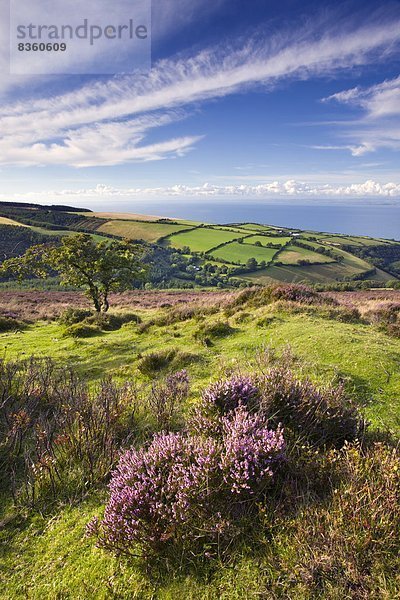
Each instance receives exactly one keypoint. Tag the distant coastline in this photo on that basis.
(368, 220)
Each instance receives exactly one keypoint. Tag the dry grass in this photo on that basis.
(34, 306)
(366, 301)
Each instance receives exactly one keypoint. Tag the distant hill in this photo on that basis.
(55, 207)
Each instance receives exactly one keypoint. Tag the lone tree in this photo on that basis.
(81, 262)
(251, 264)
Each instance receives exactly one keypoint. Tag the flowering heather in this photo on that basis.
(228, 394)
(161, 493)
(182, 491)
(220, 398)
(324, 416)
(250, 451)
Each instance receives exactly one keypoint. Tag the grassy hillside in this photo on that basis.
(140, 230)
(289, 255)
(292, 255)
(45, 554)
(203, 239)
(240, 253)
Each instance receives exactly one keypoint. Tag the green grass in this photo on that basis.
(265, 239)
(300, 273)
(291, 255)
(256, 227)
(240, 253)
(203, 239)
(364, 354)
(140, 230)
(48, 557)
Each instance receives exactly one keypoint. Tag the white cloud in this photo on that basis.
(107, 123)
(273, 189)
(379, 125)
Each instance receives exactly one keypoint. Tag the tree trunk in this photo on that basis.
(105, 305)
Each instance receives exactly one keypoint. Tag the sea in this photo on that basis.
(382, 221)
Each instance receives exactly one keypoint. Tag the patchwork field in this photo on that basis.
(140, 230)
(266, 239)
(291, 255)
(203, 239)
(375, 259)
(240, 253)
(257, 227)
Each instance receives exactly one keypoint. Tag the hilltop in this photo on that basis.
(325, 496)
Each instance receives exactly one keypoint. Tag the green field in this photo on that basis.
(255, 227)
(291, 255)
(267, 239)
(325, 347)
(240, 253)
(301, 273)
(140, 230)
(203, 239)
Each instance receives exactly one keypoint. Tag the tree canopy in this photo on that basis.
(98, 268)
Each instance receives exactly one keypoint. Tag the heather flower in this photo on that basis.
(228, 394)
(220, 398)
(250, 452)
(185, 490)
(161, 493)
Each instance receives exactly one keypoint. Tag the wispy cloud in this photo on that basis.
(379, 126)
(108, 123)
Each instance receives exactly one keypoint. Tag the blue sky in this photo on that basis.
(253, 100)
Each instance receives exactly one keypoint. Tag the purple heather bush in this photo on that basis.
(186, 492)
(220, 398)
(322, 416)
(250, 452)
(228, 394)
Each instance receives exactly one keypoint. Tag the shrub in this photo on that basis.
(324, 416)
(321, 416)
(261, 296)
(384, 313)
(154, 362)
(211, 331)
(57, 438)
(71, 316)
(393, 329)
(265, 321)
(299, 293)
(9, 324)
(344, 314)
(112, 322)
(82, 330)
(185, 493)
(349, 547)
(167, 396)
(229, 394)
(104, 321)
(250, 451)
